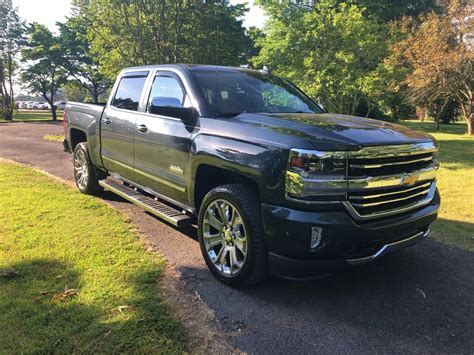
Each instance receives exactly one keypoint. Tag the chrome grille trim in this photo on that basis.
(366, 197)
(424, 192)
(384, 213)
(388, 151)
(374, 166)
(389, 180)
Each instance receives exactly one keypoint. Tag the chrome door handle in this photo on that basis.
(106, 120)
(142, 128)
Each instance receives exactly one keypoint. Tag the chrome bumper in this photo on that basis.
(390, 248)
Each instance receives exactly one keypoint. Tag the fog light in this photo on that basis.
(316, 234)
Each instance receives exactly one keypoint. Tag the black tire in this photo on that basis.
(254, 268)
(90, 185)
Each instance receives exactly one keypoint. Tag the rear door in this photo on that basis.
(118, 124)
(162, 143)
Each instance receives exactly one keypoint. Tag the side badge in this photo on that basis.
(176, 169)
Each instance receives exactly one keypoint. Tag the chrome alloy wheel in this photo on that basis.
(225, 237)
(81, 169)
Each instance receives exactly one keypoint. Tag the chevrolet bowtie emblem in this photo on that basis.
(409, 180)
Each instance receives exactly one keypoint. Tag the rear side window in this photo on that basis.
(128, 92)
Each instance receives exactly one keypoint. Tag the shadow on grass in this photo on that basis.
(48, 307)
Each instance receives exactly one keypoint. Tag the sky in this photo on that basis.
(48, 12)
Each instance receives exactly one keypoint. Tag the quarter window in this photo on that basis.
(128, 92)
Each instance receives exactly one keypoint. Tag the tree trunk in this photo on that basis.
(10, 83)
(94, 90)
(470, 124)
(53, 113)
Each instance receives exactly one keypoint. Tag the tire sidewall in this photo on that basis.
(219, 194)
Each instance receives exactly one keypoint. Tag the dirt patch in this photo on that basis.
(206, 334)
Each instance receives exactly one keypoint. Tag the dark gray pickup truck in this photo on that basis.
(275, 184)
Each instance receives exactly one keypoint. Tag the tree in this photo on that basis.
(138, 32)
(44, 63)
(79, 62)
(328, 49)
(74, 91)
(389, 10)
(439, 51)
(11, 38)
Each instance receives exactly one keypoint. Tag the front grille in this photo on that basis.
(391, 179)
(374, 201)
(389, 165)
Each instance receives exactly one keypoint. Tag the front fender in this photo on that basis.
(262, 164)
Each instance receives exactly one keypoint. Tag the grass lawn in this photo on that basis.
(74, 277)
(455, 182)
(33, 115)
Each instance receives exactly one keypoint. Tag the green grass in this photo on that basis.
(53, 138)
(74, 277)
(455, 181)
(33, 115)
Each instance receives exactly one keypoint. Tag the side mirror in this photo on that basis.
(172, 107)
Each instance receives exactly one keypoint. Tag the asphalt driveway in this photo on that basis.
(420, 300)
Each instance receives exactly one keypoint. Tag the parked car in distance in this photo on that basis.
(275, 184)
(60, 105)
(44, 106)
(24, 104)
(33, 105)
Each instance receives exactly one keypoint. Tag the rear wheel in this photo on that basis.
(85, 173)
(231, 235)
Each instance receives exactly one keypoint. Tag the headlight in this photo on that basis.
(315, 175)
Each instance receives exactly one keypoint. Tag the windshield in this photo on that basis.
(230, 93)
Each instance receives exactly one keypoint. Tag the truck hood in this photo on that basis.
(333, 131)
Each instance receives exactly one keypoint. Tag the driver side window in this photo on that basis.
(166, 92)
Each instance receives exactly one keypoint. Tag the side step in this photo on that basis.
(159, 209)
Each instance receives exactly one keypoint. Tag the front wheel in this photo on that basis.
(231, 235)
(85, 174)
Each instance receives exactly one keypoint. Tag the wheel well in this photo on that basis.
(77, 137)
(209, 177)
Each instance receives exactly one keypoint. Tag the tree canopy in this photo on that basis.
(11, 39)
(44, 70)
(330, 50)
(140, 32)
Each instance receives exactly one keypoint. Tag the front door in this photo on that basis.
(162, 143)
(118, 125)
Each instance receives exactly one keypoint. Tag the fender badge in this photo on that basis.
(176, 169)
(409, 180)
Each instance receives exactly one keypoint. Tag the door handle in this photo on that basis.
(106, 120)
(142, 128)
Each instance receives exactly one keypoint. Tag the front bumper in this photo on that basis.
(302, 269)
(344, 242)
